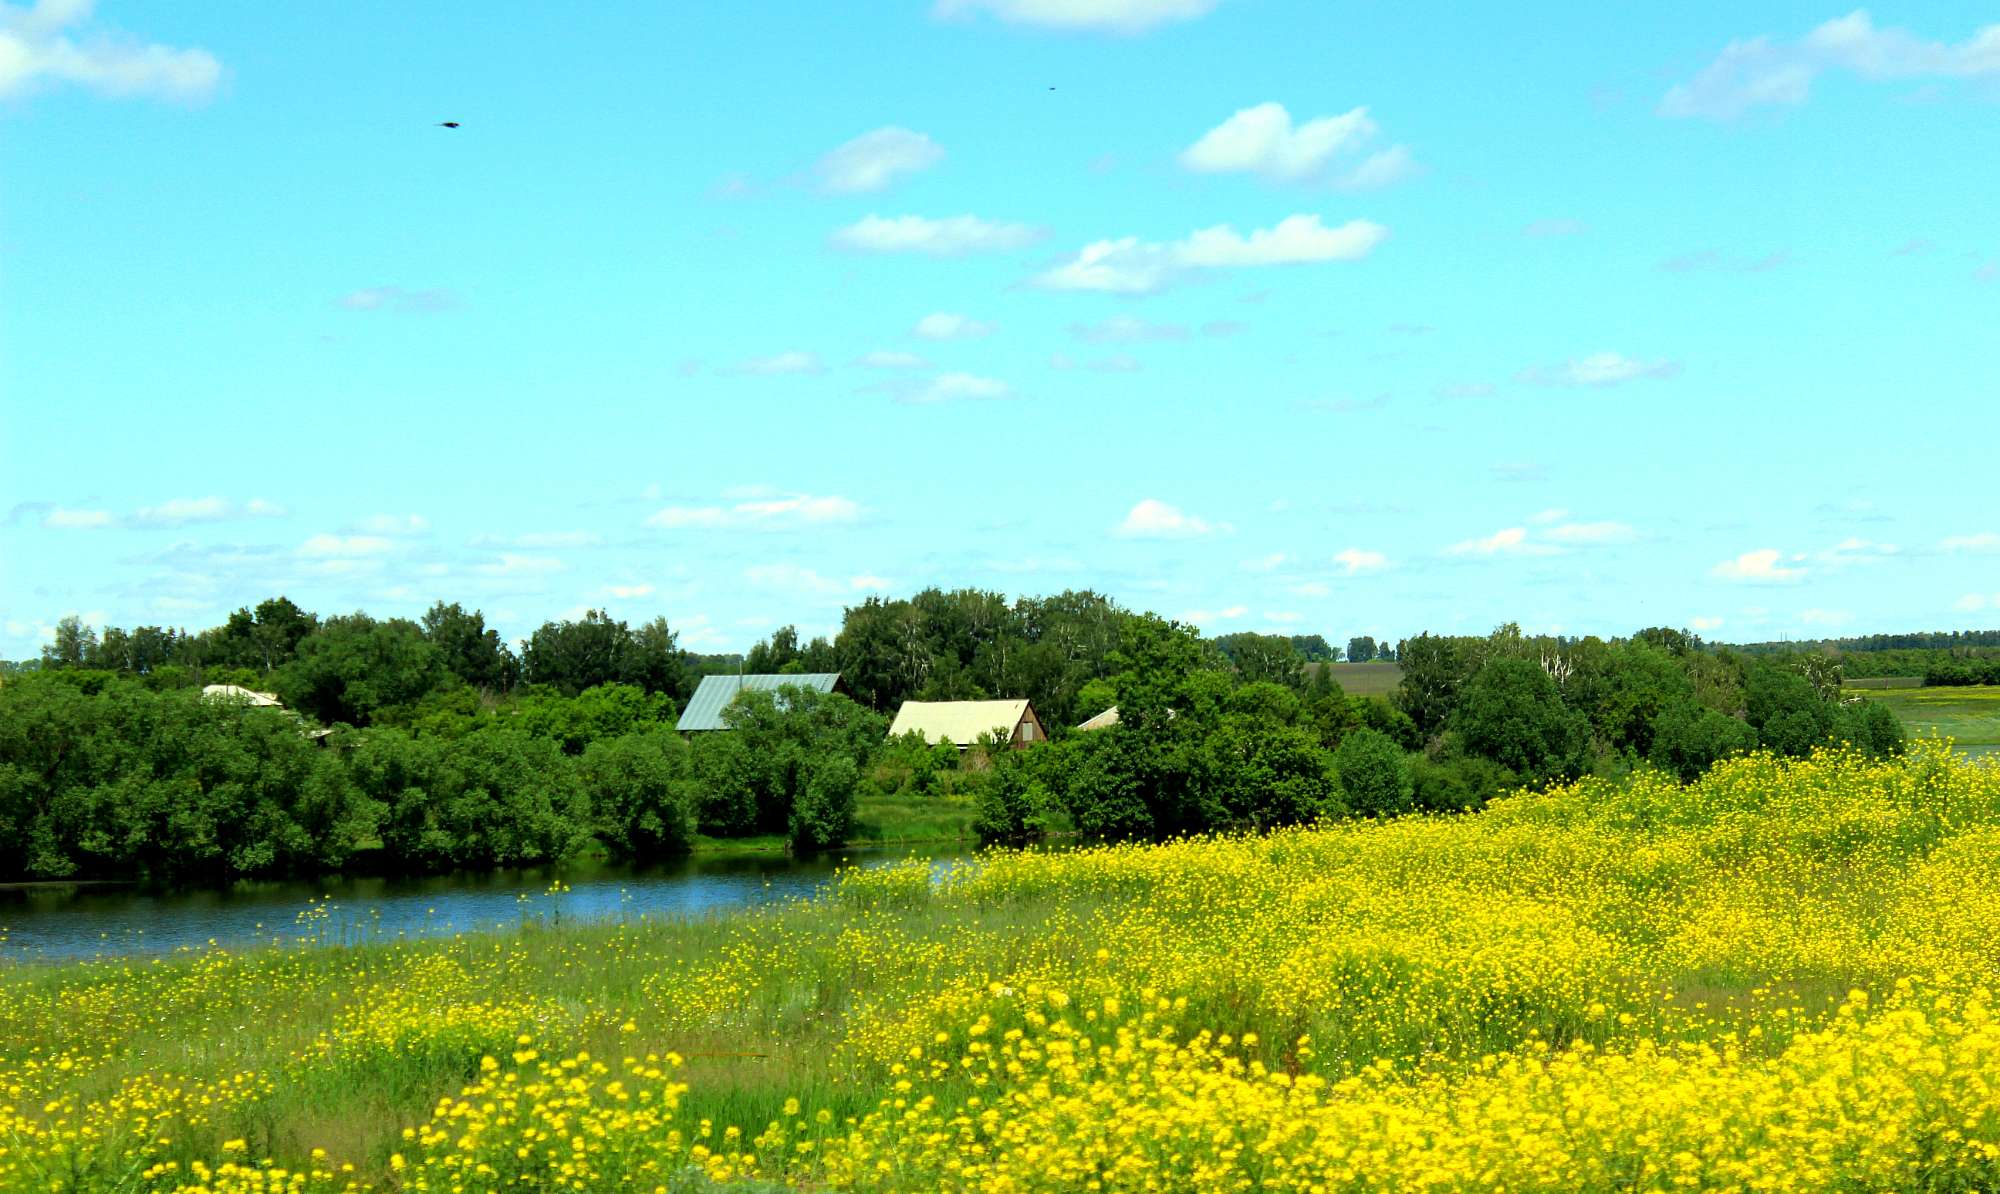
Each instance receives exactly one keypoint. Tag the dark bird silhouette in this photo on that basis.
(447, 124)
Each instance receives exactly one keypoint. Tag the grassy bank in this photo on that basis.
(1969, 715)
(1777, 971)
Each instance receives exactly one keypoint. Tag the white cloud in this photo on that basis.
(1544, 518)
(1511, 541)
(344, 546)
(1592, 533)
(1117, 362)
(1127, 329)
(180, 511)
(1269, 563)
(1312, 588)
(63, 518)
(547, 539)
(260, 508)
(1132, 266)
(510, 564)
(1764, 566)
(1762, 72)
(873, 161)
(952, 236)
(1599, 369)
(947, 325)
(393, 524)
(398, 300)
(1203, 616)
(786, 512)
(892, 360)
(629, 592)
(1263, 140)
(1704, 624)
(788, 363)
(1983, 541)
(35, 52)
(1355, 560)
(792, 578)
(1155, 519)
(1094, 16)
(957, 387)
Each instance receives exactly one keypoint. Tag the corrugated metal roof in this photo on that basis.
(712, 696)
(959, 722)
(234, 692)
(1102, 721)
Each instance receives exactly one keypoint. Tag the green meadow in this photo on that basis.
(1969, 716)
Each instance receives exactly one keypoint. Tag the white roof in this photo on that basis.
(1102, 721)
(959, 722)
(235, 692)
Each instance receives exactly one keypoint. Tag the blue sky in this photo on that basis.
(1302, 317)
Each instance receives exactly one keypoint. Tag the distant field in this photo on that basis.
(1970, 716)
(1887, 682)
(1365, 679)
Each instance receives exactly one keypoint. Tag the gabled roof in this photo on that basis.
(1102, 721)
(234, 692)
(704, 708)
(959, 722)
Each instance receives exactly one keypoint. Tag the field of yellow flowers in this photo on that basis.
(1778, 978)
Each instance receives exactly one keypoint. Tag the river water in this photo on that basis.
(56, 921)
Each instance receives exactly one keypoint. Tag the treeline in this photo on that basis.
(1928, 640)
(1201, 745)
(453, 750)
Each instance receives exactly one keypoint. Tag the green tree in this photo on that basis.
(1374, 775)
(643, 793)
(1361, 648)
(1511, 712)
(73, 644)
(1261, 657)
(471, 650)
(495, 797)
(354, 668)
(1689, 738)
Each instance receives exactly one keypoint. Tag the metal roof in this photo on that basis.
(704, 708)
(959, 722)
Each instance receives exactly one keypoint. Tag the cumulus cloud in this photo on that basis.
(1982, 541)
(951, 236)
(1263, 140)
(65, 518)
(947, 325)
(1093, 16)
(1355, 560)
(873, 161)
(1131, 266)
(790, 362)
(791, 578)
(1763, 72)
(629, 592)
(1267, 563)
(956, 387)
(397, 300)
(1201, 617)
(1599, 369)
(344, 546)
(54, 43)
(1704, 624)
(779, 512)
(1155, 519)
(1509, 541)
(1763, 566)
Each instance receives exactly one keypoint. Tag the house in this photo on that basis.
(962, 722)
(713, 695)
(236, 692)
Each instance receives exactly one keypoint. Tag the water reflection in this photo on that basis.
(70, 921)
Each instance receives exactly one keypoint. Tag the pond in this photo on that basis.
(59, 921)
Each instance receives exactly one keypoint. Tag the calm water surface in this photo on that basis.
(71, 921)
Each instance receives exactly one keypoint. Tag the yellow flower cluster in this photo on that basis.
(1781, 977)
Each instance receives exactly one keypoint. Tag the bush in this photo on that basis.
(1455, 782)
(823, 810)
(1374, 775)
(1688, 739)
(495, 797)
(643, 790)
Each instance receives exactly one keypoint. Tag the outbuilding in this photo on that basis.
(962, 722)
(714, 694)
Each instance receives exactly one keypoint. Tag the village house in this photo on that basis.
(962, 722)
(714, 693)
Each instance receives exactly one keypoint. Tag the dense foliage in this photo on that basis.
(449, 751)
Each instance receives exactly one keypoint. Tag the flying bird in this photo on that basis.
(447, 124)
